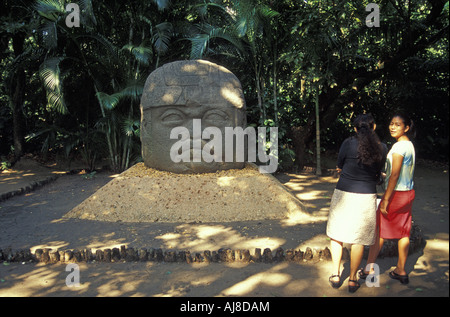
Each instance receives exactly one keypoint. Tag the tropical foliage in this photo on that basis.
(307, 67)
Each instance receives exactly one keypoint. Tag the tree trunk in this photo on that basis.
(262, 114)
(18, 116)
(275, 88)
(17, 99)
(299, 137)
(316, 106)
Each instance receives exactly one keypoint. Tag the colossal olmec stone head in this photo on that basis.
(174, 96)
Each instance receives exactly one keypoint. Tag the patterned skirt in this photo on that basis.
(352, 218)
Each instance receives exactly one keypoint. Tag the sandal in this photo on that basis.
(363, 275)
(353, 288)
(404, 279)
(335, 284)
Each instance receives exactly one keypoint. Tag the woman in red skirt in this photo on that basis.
(396, 204)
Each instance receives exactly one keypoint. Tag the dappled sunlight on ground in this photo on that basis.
(61, 245)
(35, 220)
(209, 237)
(314, 192)
(435, 260)
(269, 278)
(158, 280)
(319, 241)
(41, 280)
(295, 219)
(18, 177)
(203, 280)
(311, 189)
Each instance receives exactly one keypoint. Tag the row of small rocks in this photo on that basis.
(35, 185)
(27, 189)
(124, 254)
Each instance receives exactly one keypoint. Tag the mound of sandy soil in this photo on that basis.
(142, 194)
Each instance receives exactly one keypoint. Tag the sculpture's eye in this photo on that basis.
(173, 117)
(216, 117)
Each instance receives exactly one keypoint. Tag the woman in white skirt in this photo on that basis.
(352, 216)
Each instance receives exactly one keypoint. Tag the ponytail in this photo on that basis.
(370, 150)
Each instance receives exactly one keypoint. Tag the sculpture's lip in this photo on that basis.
(198, 150)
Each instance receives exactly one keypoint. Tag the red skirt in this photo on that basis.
(397, 223)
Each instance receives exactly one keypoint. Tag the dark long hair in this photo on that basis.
(370, 150)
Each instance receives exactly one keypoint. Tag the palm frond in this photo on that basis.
(141, 53)
(132, 91)
(50, 9)
(88, 17)
(56, 100)
(267, 12)
(198, 45)
(50, 73)
(201, 41)
(130, 127)
(162, 36)
(107, 101)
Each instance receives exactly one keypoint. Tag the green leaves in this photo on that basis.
(141, 53)
(133, 91)
(50, 74)
(87, 17)
(278, 50)
(52, 10)
(109, 101)
(131, 127)
(161, 37)
(49, 35)
(244, 27)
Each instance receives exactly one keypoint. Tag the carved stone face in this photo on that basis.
(176, 94)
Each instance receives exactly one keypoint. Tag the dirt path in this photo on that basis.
(35, 220)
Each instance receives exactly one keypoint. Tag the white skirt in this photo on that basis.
(352, 218)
